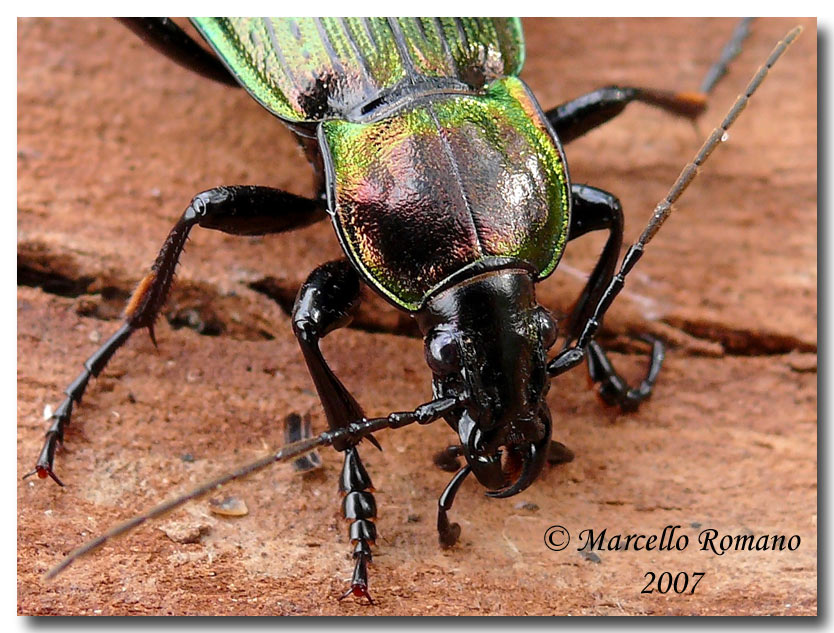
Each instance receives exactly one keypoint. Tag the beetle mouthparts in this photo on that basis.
(533, 458)
(486, 468)
(532, 465)
(489, 469)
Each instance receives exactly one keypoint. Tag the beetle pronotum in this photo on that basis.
(285, 533)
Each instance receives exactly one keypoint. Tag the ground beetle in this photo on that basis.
(390, 113)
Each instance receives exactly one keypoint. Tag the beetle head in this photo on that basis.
(486, 341)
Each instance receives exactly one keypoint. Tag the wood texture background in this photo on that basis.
(113, 141)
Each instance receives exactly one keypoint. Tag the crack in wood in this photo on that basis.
(201, 308)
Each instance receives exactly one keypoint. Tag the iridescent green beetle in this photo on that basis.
(397, 109)
(448, 188)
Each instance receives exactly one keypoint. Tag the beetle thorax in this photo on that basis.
(446, 182)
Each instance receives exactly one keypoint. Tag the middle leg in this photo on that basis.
(327, 301)
(578, 116)
(594, 210)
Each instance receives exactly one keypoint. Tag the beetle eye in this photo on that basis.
(442, 352)
(549, 329)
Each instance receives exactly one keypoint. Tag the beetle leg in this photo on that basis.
(165, 36)
(358, 507)
(448, 458)
(240, 210)
(594, 210)
(448, 533)
(571, 356)
(327, 301)
(558, 454)
(574, 118)
(613, 389)
(295, 430)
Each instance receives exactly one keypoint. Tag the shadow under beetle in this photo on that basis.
(449, 191)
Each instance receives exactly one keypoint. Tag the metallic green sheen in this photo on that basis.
(447, 182)
(315, 69)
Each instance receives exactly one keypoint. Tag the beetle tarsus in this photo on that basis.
(613, 389)
(44, 466)
(448, 533)
(43, 471)
(729, 53)
(558, 454)
(296, 429)
(93, 366)
(448, 458)
(358, 507)
(359, 585)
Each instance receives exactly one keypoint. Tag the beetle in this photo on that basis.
(490, 374)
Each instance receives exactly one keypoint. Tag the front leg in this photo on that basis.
(448, 532)
(598, 210)
(327, 301)
(238, 210)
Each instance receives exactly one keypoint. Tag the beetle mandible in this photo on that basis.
(421, 96)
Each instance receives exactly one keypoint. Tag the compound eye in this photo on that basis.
(548, 327)
(442, 352)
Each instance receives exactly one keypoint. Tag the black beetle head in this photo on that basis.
(486, 342)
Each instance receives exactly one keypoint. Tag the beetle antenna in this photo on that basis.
(423, 414)
(664, 208)
(286, 453)
(572, 356)
(730, 51)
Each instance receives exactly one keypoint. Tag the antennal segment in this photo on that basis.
(570, 357)
(728, 54)
(664, 207)
(424, 414)
(291, 451)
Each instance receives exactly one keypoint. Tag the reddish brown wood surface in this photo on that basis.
(113, 140)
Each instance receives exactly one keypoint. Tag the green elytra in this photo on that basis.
(438, 158)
